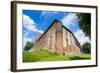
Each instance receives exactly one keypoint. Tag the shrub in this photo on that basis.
(86, 48)
(28, 46)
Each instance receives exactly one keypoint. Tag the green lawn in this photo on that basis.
(43, 55)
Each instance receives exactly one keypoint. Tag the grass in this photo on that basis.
(43, 55)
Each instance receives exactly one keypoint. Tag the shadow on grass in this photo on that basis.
(78, 58)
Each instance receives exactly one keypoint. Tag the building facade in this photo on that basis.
(58, 39)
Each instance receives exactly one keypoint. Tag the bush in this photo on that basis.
(28, 46)
(86, 48)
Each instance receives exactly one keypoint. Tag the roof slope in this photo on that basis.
(62, 26)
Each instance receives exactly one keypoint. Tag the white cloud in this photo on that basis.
(30, 24)
(44, 13)
(81, 37)
(33, 28)
(27, 20)
(68, 19)
(26, 39)
(39, 31)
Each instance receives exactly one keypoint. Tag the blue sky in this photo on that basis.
(36, 22)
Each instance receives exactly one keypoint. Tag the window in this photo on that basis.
(58, 27)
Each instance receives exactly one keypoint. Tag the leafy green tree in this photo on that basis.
(85, 23)
(86, 47)
(28, 46)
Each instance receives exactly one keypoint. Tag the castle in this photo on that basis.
(58, 39)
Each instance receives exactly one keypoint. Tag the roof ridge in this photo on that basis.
(55, 20)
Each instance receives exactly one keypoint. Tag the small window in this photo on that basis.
(59, 27)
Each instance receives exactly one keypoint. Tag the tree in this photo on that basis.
(85, 23)
(86, 47)
(28, 46)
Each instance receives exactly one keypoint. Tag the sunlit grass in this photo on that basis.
(43, 55)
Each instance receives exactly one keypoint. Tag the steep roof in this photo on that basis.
(62, 26)
(48, 28)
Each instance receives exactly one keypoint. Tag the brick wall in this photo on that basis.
(59, 40)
